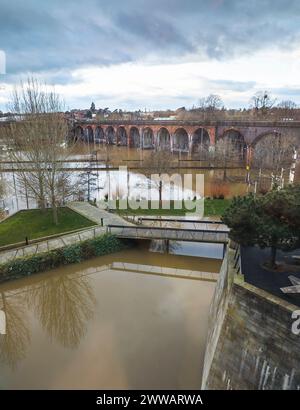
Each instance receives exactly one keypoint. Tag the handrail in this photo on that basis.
(237, 259)
(199, 221)
(22, 244)
(147, 228)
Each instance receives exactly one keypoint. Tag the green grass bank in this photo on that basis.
(212, 207)
(35, 223)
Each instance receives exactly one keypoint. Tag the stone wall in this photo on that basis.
(250, 343)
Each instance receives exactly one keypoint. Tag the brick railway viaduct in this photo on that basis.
(182, 136)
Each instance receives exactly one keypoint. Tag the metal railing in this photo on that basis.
(197, 221)
(237, 261)
(179, 234)
(202, 122)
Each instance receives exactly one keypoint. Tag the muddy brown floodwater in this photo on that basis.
(106, 324)
(217, 181)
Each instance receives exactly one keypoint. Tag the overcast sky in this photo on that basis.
(151, 54)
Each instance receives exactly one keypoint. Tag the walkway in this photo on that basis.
(97, 215)
(216, 235)
(51, 244)
(83, 208)
(204, 232)
(252, 260)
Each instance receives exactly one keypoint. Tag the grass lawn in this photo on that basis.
(212, 207)
(215, 207)
(35, 223)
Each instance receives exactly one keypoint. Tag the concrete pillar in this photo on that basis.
(141, 138)
(156, 140)
(127, 129)
(212, 136)
(171, 142)
(190, 145)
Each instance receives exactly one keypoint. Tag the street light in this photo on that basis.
(88, 174)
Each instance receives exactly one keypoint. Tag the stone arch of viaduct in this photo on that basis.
(179, 136)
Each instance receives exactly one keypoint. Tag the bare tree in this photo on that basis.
(226, 152)
(14, 345)
(65, 187)
(158, 162)
(275, 152)
(287, 104)
(210, 106)
(2, 186)
(287, 109)
(262, 102)
(64, 304)
(25, 141)
(37, 140)
(87, 182)
(297, 173)
(213, 102)
(2, 194)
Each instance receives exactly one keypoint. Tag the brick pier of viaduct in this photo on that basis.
(183, 136)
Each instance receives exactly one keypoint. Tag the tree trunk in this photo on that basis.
(160, 192)
(54, 213)
(42, 201)
(273, 256)
(54, 207)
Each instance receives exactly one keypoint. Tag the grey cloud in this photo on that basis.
(50, 35)
(153, 30)
(239, 86)
(286, 92)
(54, 38)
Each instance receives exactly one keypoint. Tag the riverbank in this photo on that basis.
(25, 266)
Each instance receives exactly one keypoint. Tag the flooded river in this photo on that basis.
(114, 183)
(110, 322)
(217, 181)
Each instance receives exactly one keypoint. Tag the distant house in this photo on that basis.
(171, 118)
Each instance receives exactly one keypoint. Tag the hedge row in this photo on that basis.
(78, 252)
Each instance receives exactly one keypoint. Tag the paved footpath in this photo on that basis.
(83, 208)
(96, 214)
(51, 244)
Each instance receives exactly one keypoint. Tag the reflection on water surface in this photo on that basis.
(93, 325)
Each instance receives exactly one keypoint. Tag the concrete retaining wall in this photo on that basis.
(250, 342)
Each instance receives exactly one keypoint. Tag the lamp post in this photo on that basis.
(88, 181)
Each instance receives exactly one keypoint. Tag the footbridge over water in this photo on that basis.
(207, 233)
